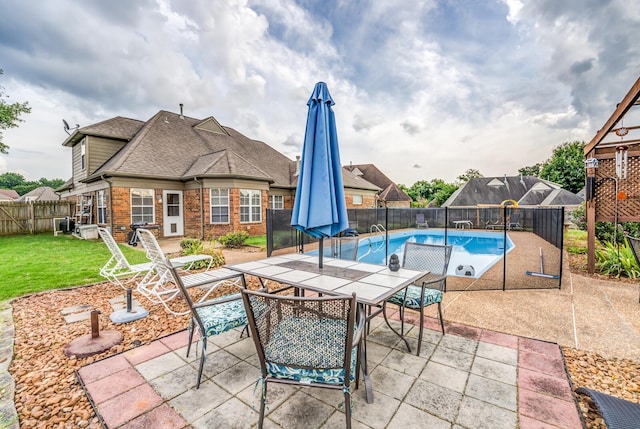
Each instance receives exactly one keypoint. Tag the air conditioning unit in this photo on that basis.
(465, 270)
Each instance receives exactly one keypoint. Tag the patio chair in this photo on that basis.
(420, 221)
(514, 221)
(617, 413)
(634, 244)
(157, 285)
(117, 269)
(209, 317)
(423, 257)
(310, 342)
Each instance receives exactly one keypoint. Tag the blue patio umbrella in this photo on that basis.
(319, 208)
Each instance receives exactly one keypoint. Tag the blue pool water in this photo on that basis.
(477, 249)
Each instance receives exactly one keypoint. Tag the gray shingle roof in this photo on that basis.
(115, 128)
(42, 193)
(371, 173)
(528, 191)
(174, 147)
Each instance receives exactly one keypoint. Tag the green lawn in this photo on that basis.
(257, 241)
(33, 263)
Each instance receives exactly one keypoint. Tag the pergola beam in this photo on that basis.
(629, 100)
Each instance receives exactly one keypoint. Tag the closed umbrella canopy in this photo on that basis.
(319, 208)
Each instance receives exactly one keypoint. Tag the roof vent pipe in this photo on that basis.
(181, 115)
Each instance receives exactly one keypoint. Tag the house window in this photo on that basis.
(102, 208)
(357, 200)
(219, 205)
(250, 206)
(83, 155)
(276, 202)
(142, 209)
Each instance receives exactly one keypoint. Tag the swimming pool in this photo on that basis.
(474, 252)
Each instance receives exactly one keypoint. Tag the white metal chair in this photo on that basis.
(157, 285)
(423, 257)
(118, 270)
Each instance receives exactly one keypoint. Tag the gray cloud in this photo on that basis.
(490, 72)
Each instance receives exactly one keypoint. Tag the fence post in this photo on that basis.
(269, 232)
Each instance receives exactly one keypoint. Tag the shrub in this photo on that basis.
(617, 261)
(233, 239)
(579, 217)
(191, 245)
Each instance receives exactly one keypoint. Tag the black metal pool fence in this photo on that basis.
(535, 263)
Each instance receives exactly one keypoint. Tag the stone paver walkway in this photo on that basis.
(469, 378)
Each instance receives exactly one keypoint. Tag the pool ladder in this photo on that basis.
(374, 231)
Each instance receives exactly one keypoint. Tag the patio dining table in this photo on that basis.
(372, 283)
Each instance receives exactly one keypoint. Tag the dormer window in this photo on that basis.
(83, 155)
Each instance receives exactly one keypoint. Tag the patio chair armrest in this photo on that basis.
(362, 322)
(434, 280)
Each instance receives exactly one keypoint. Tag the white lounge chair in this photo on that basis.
(118, 270)
(157, 284)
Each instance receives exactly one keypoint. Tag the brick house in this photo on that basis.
(390, 194)
(191, 177)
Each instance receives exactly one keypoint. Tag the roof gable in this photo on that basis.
(210, 124)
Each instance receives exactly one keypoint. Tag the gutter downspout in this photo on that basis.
(110, 203)
(195, 179)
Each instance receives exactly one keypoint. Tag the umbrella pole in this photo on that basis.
(321, 252)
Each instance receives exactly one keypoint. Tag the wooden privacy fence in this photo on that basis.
(33, 217)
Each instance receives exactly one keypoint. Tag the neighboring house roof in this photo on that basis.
(8, 195)
(175, 147)
(526, 190)
(394, 193)
(43, 193)
(389, 190)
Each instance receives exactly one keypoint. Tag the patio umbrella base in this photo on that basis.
(124, 316)
(86, 346)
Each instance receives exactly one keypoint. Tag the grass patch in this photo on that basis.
(35, 263)
(575, 241)
(257, 241)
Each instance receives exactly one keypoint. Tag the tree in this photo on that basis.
(471, 173)
(566, 166)
(442, 192)
(9, 115)
(11, 180)
(532, 170)
(18, 183)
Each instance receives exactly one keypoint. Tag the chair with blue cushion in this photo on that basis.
(210, 317)
(422, 257)
(306, 341)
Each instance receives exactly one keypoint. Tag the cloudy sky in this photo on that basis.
(423, 89)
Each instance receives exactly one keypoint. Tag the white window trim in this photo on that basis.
(83, 155)
(251, 192)
(359, 203)
(153, 206)
(211, 205)
(101, 203)
(272, 201)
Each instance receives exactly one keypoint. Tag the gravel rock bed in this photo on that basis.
(48, 393)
